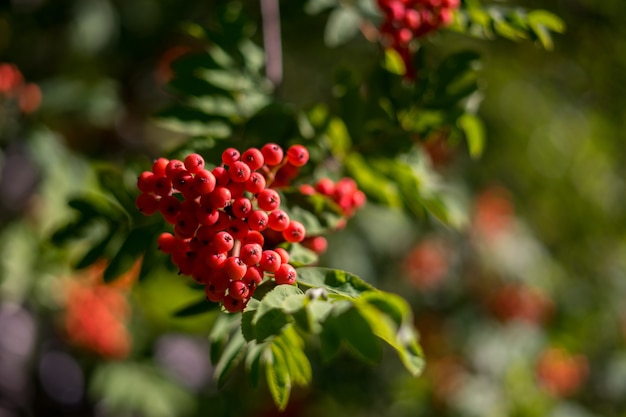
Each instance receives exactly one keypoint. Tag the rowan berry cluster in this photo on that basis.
(13, 87)
(406, 20)
(227, 221)
(344, 193)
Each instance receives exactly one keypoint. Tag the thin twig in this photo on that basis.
(272, 41)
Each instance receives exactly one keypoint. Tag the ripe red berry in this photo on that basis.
(222, 177)
(239, 171)
(182, 181)
(294, 232)
(230, 156)
(162, 186)
(254, 275)
(251, 253)
(253, 158)
(212, 294)
(220, 197)
(185, 225)
(215, 260)
(270, 261)
(145, 182)
(242, 207)
(286, 274)
(207, 216)
(159, 167)
(235, 268)
(204, 182)
(257, 220)
(284, 255)
(147, 203)
(238, 290)
(325, 186)
(233, 305)
(173, 166)
(169, 207)
(219, 280)
(256, 183)
(278, 220)
(317, 244)
(272, 153)
(254, 236)
(167, 243)
(194, 163)
(297, 155)
(222, 241)
(238, 229)
(268, 199)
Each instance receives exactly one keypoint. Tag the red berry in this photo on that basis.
(162, 186)
(256, 183)
(325, 186)
(254, 275)
(238, 229)
(215, 259)
(159, 167)
(257, 220)
(194, 163)
(297, 155)
(186, 224)
(233, 305)
(317, 244)
(219, 280)
(145, 182)
(251, 253)
(254, 236)
(223, 241)
(270, 261)
(213, 295)
(235, 268)
(272, 153)
(278, 220)
(238, 290)
(182, 181)
(268, 199)
(222, 177)
(220, 197)
(204, 182)
(207, 216)
(173, 166)
(239, 172)
(294, 232)
(147, 203)
(230, 156)
(169, 207)
(242, 207)
(286, 274)
(284, 255)
(167, 243)
(306, 189)
(253, 158)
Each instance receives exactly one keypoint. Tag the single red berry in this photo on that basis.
(185, 225)
(238, 290)
(238, 228)
(294, 232)
(233, 305)
(215, 260)
(204, 182)
(268, 199)
(213, 295)
(257, 220)
(251, 253)
(167, 243)
(286, 274)
(270, 261)
(220, 197)
(239, 171)
(173, 166)
(325, 186)
(230, 156)
(278, 220)
(205, 235)
(237, 189)
(147, 203)
(242, 207)
(207, 216)
(256, 183)
(317, 244)
(272, 153)
(162, 186)
(253, 158)
(159, 167)
(182, 181)
(223, 241)
(306, 189)
(297, 155)
(235, 268)
(145, 182)
(194, 163)
(219, 279)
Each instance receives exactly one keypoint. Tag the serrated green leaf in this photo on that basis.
(253, 361)
(201, 306)
(299, 366)
(474, 131)
(230, 358)
(334, 281)
(342, 25)
(132, 248)
(275, 309)
(392, 305)
(278, 379)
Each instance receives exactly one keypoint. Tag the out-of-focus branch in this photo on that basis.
(272, 42)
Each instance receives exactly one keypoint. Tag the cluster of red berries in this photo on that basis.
(405, 20)
(225, 219)
(13, 86)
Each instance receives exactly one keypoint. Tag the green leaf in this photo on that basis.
(97, 251)
(314, 7)
(393, 62)
(340, 142)
(193, 122)
(197, 307)
(474, 131)
(275, 309)
(334, 281)
(371, 181)
(299, 366)
(343, 24)
(278, 379)
(357, 334)
(300, 256)
(547, 19)
(230, 358)
(224, 325)
(133, 247)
